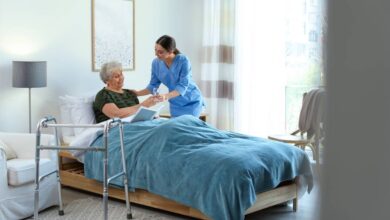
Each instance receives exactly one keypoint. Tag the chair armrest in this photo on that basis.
(296, 132)
(24, 144)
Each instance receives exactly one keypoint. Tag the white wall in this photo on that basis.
(356, 180)
(60, 33)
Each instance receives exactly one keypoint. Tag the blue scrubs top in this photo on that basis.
(178, 77)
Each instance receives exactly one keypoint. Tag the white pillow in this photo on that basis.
(65, 109)
(80, 111)
(9, 153)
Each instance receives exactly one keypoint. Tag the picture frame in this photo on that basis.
(113, 33)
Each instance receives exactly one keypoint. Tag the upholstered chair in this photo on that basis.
(17, 175)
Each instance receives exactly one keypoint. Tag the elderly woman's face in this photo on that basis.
(116, 80)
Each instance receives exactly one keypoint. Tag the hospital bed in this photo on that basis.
(72, 174)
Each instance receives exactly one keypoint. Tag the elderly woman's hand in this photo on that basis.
(149, 102)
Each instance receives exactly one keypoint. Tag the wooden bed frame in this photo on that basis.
(72, 175)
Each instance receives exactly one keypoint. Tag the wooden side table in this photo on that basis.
(202, 116)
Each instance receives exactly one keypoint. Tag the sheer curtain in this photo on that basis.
(278, 57)
(258, 59)
(217, 74)
(260, 76)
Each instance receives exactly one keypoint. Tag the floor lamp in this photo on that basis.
(29, 74)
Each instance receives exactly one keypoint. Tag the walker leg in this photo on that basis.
(125, 180)
(36, 192)
(105, 176)
(60, 208)
(105, 203)
(105, 190)
(128, 205)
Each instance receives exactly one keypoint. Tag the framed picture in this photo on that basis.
(113, 33)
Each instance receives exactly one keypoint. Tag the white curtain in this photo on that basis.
(260, 79)
(217, 74)
(278, 57)
(258, 59)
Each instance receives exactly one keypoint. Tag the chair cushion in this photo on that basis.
(21, 171)
(9, 153)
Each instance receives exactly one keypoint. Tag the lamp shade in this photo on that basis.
(29, 74)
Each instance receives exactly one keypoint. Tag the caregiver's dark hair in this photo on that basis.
(168, 43)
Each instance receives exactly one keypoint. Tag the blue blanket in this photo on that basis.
(188, 161)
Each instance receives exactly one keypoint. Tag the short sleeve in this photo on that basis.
(101, 99)
(154, 80)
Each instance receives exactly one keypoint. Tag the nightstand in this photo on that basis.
(202, 116)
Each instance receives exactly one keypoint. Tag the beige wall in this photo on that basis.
(60, 33)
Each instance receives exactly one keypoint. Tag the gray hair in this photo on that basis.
(107, 70)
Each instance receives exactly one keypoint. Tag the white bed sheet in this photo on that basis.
(84, 140)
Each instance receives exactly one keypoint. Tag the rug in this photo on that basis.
(92, 209)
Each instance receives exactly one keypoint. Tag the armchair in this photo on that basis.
(17, 176)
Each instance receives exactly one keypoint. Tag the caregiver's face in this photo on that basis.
(160, 52)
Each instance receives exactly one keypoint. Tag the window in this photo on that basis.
(277, 60)
(313, 36)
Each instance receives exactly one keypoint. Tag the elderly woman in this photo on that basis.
(113, 100)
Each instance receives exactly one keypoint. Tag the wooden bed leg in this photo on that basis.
(295, 200)
(295, 204)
